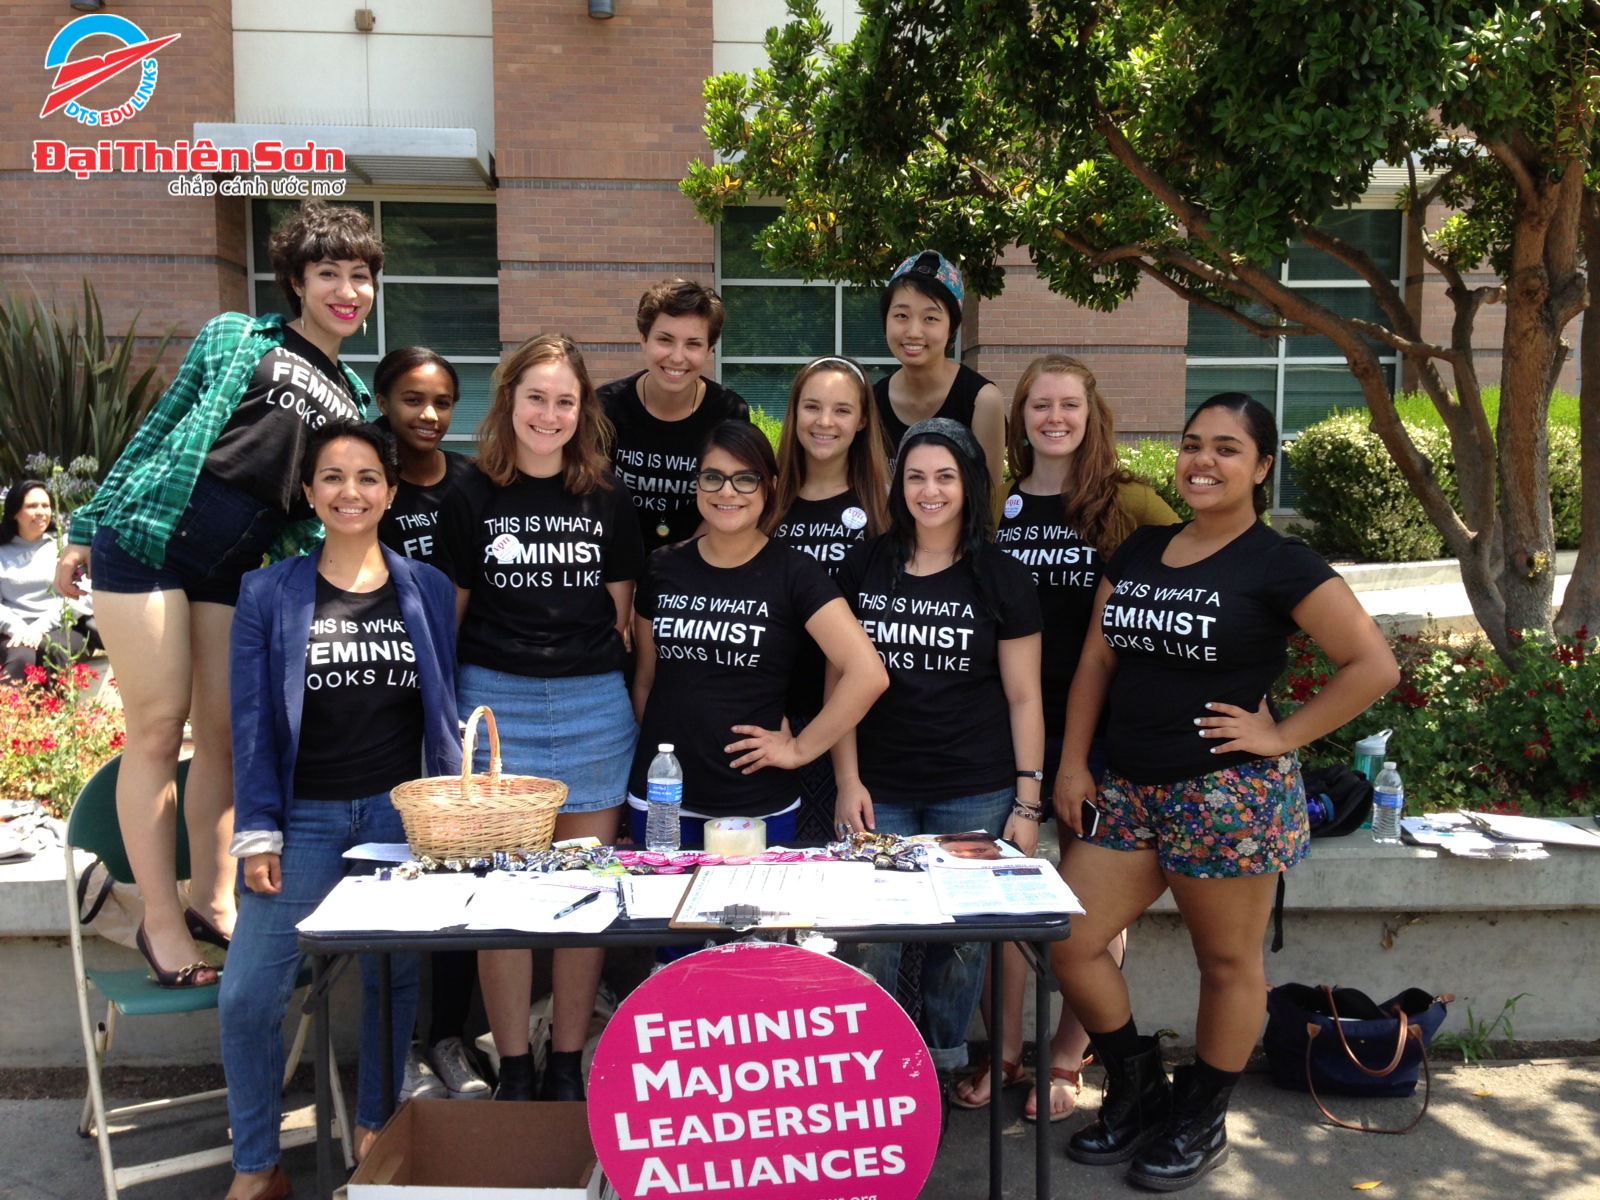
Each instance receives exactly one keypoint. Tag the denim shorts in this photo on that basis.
(1248, 819)
(222, 534)
(576, 728)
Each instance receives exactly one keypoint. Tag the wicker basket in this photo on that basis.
(479, 814)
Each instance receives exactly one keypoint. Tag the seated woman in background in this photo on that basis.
(1202, 790)
(317, 749)
(38, 628)
(719, 625)
(956, 743)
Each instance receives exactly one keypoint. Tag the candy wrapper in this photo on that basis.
(885, 851)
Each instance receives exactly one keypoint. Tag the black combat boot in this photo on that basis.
(516, 1077)
(1133, 1109)
(1195, 1138)
(563, 1076)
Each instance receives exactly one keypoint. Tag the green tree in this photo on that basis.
(1187, 145)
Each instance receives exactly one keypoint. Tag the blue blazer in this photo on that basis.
(271, 627)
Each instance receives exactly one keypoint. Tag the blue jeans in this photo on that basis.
(264, 959)
(952, 972)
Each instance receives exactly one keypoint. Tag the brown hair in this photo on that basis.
(681, 298)
(865, 472)
(318, 230)
(1091, 496)
(753, 451)
(586, 454)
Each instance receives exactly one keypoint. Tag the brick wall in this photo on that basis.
(595, 122)
(173, 261)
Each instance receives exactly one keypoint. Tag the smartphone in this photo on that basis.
(1091, 819)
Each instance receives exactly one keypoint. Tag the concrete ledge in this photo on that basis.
(1435, 572)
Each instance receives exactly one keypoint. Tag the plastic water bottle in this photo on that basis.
(665, 779)
(1388, 801)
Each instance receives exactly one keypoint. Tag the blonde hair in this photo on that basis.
(865, 468)
(586, 454)
(1091, 497)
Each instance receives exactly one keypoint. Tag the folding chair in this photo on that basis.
(134, 993)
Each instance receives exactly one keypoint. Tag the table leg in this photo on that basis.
(997, 1033)
(386, 1032)
(1042, 1034)
(320, 1058)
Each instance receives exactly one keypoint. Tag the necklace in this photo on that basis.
(644, 398)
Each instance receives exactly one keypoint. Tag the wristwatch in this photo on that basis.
(1036, 776)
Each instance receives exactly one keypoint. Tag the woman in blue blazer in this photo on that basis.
(343, 684)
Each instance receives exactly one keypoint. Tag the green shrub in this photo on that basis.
(65, 390)
(771, 426)
(1469, 733)
(1155, 462)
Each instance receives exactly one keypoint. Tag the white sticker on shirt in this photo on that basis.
(506, 548)
(1013, 506)
(853, 518)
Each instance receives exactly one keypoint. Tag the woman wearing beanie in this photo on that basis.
(957, 742)
(921, 313)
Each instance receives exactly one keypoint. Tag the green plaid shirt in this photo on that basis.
(150, 485)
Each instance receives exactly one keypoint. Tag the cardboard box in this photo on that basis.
(451, 1150)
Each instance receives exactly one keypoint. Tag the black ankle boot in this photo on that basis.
(1133, 1109)
(1195, 1139)
(563, 1076)
(516, 1077)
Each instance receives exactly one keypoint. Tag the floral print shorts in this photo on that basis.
(1245, 820)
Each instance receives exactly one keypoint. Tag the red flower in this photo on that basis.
(35, 674)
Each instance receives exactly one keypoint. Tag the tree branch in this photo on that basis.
(1414, 348)
(1389, 297)
(1527, 188)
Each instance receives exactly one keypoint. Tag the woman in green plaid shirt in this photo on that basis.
(207, 488)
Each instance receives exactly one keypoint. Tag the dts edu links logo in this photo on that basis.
(74, 77)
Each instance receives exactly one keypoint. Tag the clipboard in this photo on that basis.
(700, 909)
(1533, 829)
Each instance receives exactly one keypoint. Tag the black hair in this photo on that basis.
(925, 282)
(316, 231)
(398, 363)
(1259, 423)
(381, 441)
(751, 447)
(9, 530)
(976, 519)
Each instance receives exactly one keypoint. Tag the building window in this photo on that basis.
(776, 325)
(1302, 379)
(440, 289)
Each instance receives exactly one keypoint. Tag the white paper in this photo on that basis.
(1007, 887)
(367, 904)
(653, 897)
(895, 898)
(790, 893)
(1535, 829)
(384, 852)
(530, 902)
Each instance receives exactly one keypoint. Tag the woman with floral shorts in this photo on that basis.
(1202, 792)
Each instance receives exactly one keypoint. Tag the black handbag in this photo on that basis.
(1341, 797)
(1337, 1041)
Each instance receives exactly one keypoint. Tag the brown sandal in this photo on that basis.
(1012, 1075)
(1062, 1075)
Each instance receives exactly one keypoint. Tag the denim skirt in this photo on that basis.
(577, 728)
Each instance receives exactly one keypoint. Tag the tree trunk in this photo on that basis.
(1580, 610)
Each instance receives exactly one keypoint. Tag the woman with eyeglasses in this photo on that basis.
(833, 486)
(542, 543)
(719, 623)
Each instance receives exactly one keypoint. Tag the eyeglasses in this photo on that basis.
(744, 482)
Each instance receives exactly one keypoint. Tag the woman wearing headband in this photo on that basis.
(957, 742)
(921, 310)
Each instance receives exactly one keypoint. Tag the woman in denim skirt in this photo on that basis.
(543, 544)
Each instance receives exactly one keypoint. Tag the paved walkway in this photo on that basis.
(1534, 1134)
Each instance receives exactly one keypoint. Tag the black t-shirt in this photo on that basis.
(296, 388)
(824, 529)
(960, 404)
(943, 729)
(727, 639)
(658, 459)
(536, 559)
(1066, 570)
(1214, 631)
(411, 526)
(361, 721)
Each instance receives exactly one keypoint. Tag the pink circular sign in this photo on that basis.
(763, 1067)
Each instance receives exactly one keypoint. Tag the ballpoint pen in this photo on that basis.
(576, 905)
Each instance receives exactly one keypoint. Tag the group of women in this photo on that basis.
(631, 566)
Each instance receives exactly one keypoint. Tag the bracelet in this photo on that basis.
(1028, 812)
(1036, 776)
